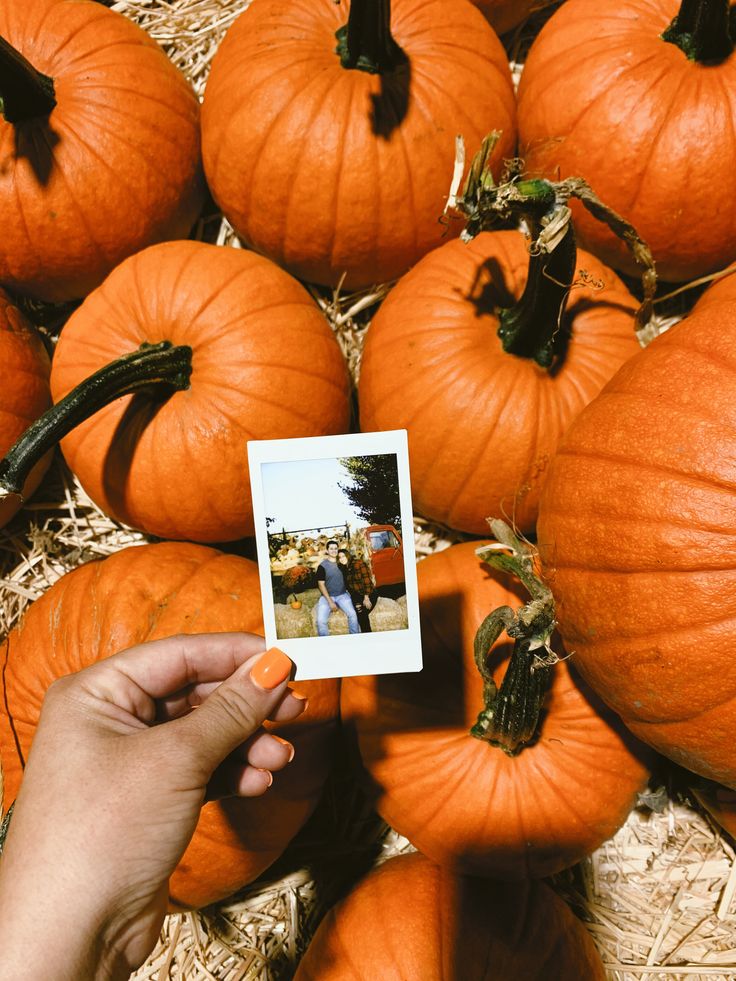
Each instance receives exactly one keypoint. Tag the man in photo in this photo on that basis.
(331, 583)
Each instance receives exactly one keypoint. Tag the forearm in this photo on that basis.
(323, 589)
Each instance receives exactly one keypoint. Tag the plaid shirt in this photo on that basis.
(358, 577)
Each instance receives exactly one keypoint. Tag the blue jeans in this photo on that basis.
(344, 603)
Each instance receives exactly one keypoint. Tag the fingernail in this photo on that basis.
(298, 694)
(270, 670)
(286, 743)
(269, 775)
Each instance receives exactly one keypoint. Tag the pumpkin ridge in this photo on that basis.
(71, 194)
(130, 186)
(329, 378)
(652, 138)
(116, 107)
(318, 83)
(699, 480)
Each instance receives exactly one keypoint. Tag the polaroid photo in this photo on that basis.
(335, 539)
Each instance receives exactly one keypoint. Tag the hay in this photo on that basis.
(659, 898)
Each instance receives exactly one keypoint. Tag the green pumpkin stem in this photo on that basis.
(24, 92)
(510, 715)
(528, 329)
(160, 364)
(701, 30)
(365, 42)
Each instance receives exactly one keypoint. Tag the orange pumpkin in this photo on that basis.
(252, 358)
(483, 423)
(636, 535)
(335, 171)
(719, 802)
(104, 161)
(144, 593)
(24, 391)
(465, 804)
(648, 122)
(428, 924)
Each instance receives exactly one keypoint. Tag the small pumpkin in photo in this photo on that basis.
(296, 604)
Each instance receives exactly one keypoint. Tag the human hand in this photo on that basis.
(333, 605)
(367, 603)
(119, 769)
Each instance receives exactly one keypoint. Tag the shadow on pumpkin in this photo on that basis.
(35, 142)
(390, 106)
(490, 293)
(138, 415)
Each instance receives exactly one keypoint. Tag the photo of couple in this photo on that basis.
(343, 575)
(346, 583)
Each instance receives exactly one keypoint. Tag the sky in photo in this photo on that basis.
(305, 494)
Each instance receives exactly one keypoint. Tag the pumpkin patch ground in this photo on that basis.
(658, 898)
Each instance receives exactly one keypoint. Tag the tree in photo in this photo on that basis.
(374, 491)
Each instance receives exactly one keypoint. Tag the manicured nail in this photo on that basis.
(286, 743)
(298, 694)
(270, 670)
(269, 775)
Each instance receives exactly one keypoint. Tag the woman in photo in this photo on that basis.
(360, 585)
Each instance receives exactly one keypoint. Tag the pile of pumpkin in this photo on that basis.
(328, 142)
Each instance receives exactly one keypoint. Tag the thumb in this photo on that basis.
(236, 708)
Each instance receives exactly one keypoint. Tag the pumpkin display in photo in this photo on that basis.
(719, 802)
(24, 391)
(328, 130)
(427, 924)
(217, 346)
(485, 352)
(480, 780)
(636, 535)
(636, 96)
(145, 593)
(99, 146)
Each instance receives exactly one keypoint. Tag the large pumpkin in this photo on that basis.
(636, 534)
(483, 423)
(141, 594)
(466, 804)
(427, 924)
(335, 171)
(110, 166)
(264, 365)
(647, 122)
(24, 390)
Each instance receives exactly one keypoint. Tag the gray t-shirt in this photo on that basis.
(331, 575)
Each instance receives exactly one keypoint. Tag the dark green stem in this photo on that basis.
(159, 364)
(509, 719)
(530, 327)
(24, 92)
(365, 42)
(701, 30)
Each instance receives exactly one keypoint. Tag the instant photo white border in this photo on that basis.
(339, 656)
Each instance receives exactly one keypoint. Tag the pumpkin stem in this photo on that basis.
(24, 92)
(510, 715)
(365, 42)
(159, 364)
(701, 30)
(530, 327)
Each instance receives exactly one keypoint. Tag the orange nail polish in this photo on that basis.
(298, 694)
(270, 670)
(286, 743)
